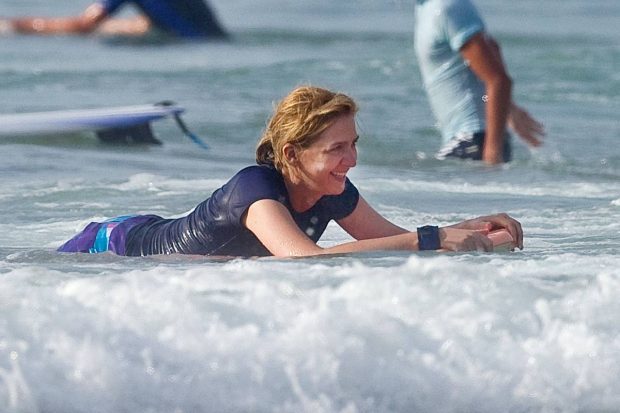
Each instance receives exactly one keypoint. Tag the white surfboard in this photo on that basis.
(69, 121)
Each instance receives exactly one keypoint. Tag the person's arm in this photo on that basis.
(365, 223)
(483, 56)
(273, 225)
(82, 24)
(519, 120)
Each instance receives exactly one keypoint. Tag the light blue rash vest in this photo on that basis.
(455, 94)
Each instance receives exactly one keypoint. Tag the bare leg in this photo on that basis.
(135, 26)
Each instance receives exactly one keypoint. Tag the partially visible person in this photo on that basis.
(282, 205)
(467, 83)
(182, 18)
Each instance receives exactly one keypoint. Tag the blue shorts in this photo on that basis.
(470, 146)
(105, 236)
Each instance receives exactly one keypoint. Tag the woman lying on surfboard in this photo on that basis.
(282, 205)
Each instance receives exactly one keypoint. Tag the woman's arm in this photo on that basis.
(365, 223)
(273, 225)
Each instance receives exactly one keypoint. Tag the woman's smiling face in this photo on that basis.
(323, 166)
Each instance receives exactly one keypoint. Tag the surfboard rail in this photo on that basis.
(76, 120)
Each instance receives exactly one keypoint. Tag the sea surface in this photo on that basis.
(536, 330)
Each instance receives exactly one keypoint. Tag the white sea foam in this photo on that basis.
(422, 334)
(530, 331)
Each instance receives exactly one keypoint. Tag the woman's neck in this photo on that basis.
(301, 197)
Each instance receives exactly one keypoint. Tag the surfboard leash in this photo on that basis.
(177, 117)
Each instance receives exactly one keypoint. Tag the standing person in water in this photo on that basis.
(282, 205)
(468, 86)
(182, 18)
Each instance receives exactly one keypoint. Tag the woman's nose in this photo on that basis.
(350, 158)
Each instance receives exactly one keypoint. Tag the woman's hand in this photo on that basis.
(488, 223)
(456, 239)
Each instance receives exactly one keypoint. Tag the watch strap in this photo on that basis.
(428, 238)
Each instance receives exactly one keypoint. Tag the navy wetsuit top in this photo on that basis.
(185, 18)
(215, 226)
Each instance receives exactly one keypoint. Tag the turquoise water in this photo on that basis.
(530, 331)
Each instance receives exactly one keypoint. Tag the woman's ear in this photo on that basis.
(290, 154)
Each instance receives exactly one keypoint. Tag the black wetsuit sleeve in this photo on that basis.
(248, 186)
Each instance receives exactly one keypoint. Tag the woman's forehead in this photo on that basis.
(342, 127)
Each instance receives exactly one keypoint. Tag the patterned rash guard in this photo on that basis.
(185, 18)
(215, 226)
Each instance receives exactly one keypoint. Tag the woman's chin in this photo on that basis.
(336, 189)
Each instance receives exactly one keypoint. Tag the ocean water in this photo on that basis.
(527, 331)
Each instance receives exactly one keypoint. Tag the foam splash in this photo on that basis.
(437, 333)
(16, 390)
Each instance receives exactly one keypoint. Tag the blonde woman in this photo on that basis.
(282, 205)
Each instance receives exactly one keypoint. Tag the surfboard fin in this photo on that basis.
(183, 126)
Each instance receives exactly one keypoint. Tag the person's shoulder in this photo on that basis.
(257, 173)
(462, 21)
(257, 179)
(249, 185)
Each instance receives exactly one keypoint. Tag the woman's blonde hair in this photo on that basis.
(299, 119)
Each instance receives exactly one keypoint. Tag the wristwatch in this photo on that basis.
(428, 238)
